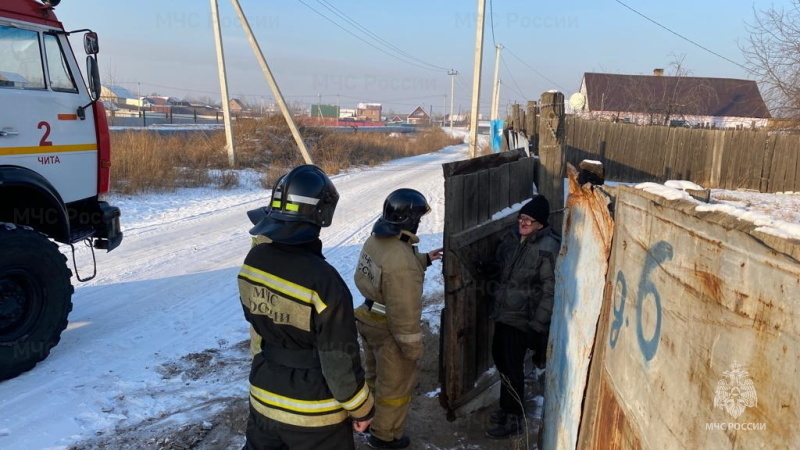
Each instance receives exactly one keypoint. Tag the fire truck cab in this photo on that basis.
(55, 160)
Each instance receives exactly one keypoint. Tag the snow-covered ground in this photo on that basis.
(165, 303)
(168, 294)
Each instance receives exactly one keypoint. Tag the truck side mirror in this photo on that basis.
(90, 43)
(93, 72)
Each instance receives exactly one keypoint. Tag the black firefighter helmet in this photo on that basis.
(302, 201)
(258, 214)
(402, 210)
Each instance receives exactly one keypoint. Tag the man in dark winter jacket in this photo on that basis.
(307, 385)
(525, 264)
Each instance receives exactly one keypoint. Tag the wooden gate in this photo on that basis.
(479, 196)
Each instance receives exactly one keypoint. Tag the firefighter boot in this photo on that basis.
(374, 442)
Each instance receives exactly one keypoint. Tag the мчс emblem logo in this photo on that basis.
(737, 392)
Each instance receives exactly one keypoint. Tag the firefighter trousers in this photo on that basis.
(392, 378)
(264, 433)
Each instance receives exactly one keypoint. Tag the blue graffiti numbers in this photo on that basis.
(620, 292)
(647, 294)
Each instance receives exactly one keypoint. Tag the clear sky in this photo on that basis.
(167, 46)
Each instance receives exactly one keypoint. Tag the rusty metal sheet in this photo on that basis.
(580, 277)
(703, 343)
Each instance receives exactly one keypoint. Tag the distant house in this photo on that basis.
(346, 113)
(369, 112)
(457, 118)
(671, 100)
(419, 117)
(236, 106)
(155, 103)
(398, 118)
(119, 96)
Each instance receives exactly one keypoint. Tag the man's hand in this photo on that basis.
(436, 254)
(362, 426)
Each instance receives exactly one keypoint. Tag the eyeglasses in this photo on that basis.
(525, 221)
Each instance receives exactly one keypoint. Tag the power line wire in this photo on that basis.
(512, 89)
(353, 22)
(519, 90)
(534, 70)
(364, 40)
(491, 20)
(682, 36)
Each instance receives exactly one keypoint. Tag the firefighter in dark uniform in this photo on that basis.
(307, 385)
(390, 276)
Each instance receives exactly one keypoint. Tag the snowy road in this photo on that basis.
(169, 293)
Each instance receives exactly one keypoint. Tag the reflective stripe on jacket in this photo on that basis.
(308, 372)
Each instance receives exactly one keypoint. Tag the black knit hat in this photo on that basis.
(538, 208)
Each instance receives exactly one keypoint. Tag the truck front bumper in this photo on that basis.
(108, 236)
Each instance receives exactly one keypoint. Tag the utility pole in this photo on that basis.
(223, 84)
(452, 74)
(444, 108)
(139, 101)
(319, 107)
(496, 91)
(476, 81)
(272, 83)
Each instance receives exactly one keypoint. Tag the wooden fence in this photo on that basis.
(476, 191)
(724, 159)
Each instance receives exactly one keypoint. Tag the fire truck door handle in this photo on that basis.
(8, 132)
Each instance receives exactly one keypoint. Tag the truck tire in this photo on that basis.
(35, 298)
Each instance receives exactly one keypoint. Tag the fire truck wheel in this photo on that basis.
(35, 298)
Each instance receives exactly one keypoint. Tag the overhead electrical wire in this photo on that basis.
(519, 90)
(491, 20)
(514, 90)
(681, 36)
(353, 22)
(532, 69)
(366, 41)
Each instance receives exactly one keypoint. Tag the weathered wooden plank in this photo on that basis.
(470, 210)
(580, 270)
(455, 194)
(530, 120)
(766, 163)
(529, 177)
(779, 161)
(496, 199)
(733, 180)
(482, 198)
(504, 187)
(670, 155)
(449, 356)
(725, 158)
(481, 163)
(520, 188)
(551, 152)
(481, 231)
(688, 168)
(792, 162)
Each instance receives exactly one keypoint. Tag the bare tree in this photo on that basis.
(676, 96)
(772, 54)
